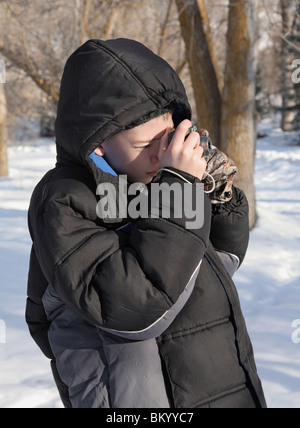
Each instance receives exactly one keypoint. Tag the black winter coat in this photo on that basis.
(154, 298)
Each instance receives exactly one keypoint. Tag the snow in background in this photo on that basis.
(268, 282)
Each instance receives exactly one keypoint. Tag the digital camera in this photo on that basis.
(205, 140)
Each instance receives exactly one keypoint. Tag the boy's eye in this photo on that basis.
(146, 146)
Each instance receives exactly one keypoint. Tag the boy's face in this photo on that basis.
(134, 152)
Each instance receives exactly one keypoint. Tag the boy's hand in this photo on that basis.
(186, 155)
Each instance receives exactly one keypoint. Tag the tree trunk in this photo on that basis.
(238, 133)
(3, 134)
(229, 117)
(195, 32)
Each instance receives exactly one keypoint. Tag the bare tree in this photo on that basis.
(38, 36)
(202, 63)
(28, 40)
(238, 131)
(227, 112)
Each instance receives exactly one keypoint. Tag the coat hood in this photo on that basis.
(107, 85)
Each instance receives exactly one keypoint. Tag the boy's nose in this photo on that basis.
(154, 153)
(154, 159)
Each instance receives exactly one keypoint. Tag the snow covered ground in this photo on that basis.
(268, 281)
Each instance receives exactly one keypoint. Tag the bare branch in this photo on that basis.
(31, 71)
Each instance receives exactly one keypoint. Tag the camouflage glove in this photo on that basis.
(222, 170)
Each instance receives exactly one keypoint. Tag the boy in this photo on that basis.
(135, 312)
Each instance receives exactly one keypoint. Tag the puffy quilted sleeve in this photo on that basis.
(230, 225)
(118, 281)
